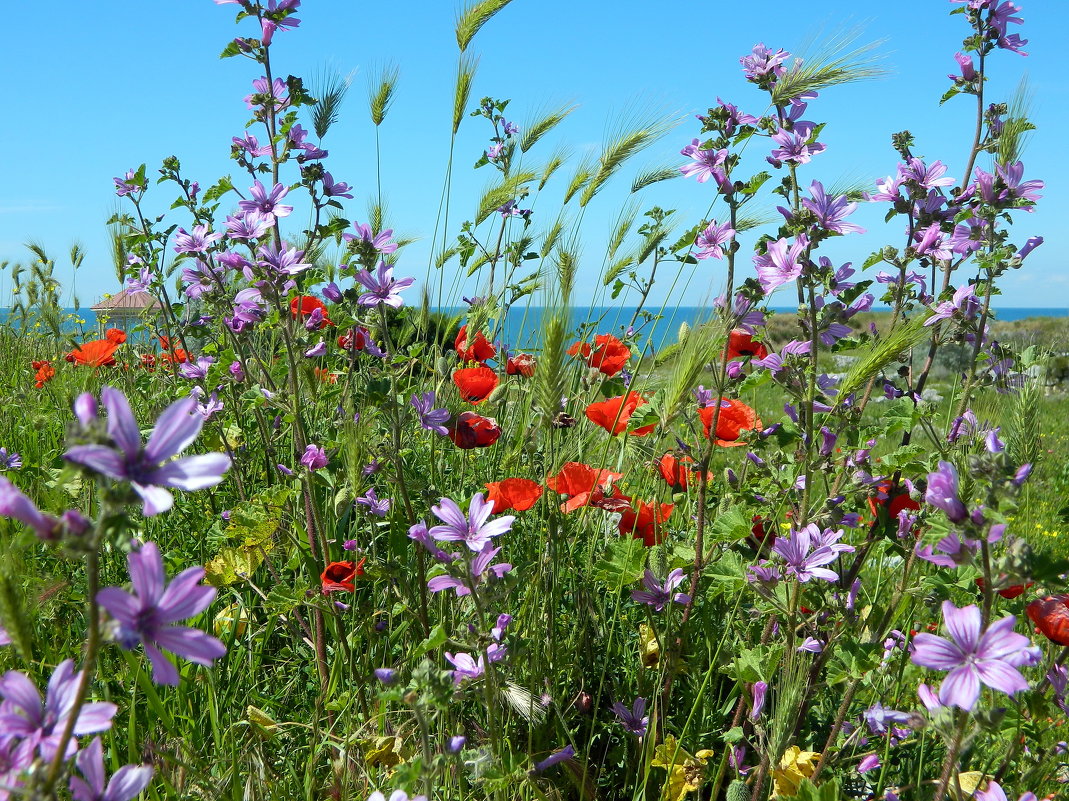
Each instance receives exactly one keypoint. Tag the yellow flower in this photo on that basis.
(384, 751)
(794, 765)
(231, 618)
(649, 648)
(685, 772)
(968, 784)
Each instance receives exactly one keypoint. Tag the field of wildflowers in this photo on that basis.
(302, 534)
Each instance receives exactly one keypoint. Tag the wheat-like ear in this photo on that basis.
(560, 155)
(624, 220)
(540, 126)
(38, 250)
(523, 702)
(617, 266)
(653, 175)
(567, 261)
(376, 214)
(329, 89)
(466, 68)
(497, 195)
(881, 353)
(13, 615)
(552, 236)
(747, 222)
(472, 18)
(445, 255)
(1014, 134)
(1023, 438)
(622, 147)
(838, 60)
(549, 377)
(380, 92)
(702, 344)
(583, 173)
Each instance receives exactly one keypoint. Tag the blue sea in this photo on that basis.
(523, 328)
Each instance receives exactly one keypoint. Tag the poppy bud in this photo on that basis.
(584, 703)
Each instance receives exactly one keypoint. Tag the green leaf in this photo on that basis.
(827, 791)
(622, 564)
(436, 639)
(754, 664)
(731, 526)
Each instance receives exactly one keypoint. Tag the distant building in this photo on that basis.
(126, 308)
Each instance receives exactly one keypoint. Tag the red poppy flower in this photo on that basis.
(45, 373)
(741, 344)
(341, 576)
(1010, 592)
(521, 364)
(893, 505)
(580, 482)
(475, 383)
(116, 335)
(645, 523)
(1051, 616)
(176, 356)
(165, 342)
(304, 305)
(98, 353)
(675, 471)
(478, 350)
(609, 355)
(470, 430)
(613, 414)
(148, 361)
(735, 417)
(760, 537)
(354, 339)
(513, 493)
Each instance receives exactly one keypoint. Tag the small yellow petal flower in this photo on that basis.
(794, 765)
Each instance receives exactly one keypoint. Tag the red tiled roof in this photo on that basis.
(124, 300)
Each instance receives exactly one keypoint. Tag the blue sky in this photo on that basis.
(104, 89)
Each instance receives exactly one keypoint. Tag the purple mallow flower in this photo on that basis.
(381, 287)
(150, 469)
(943, 492)
(657, 594)
(127, 782)
(475, 529)
(994, 791)
(974, 656)
(780, 263)
(480, 566)
(266, 203)
(794, 144)
(759, 691)
(38, 725)
(635, 720)
(705, 163)
(430, 419)
(712, 238)
(806, 551)
(380, 242)
(196, 242)
(465, 666)
(314, 457)
(374, 504)
(148, 616)
(878, 717)
(568, 752)
(9, 461)
(831, 211)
